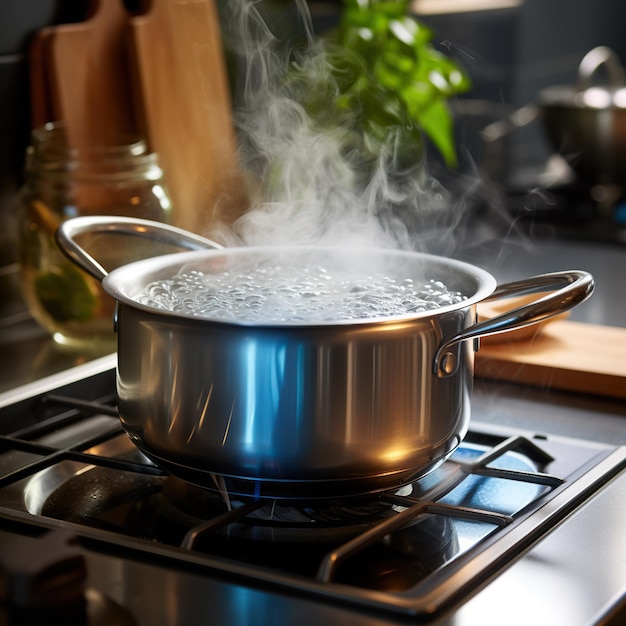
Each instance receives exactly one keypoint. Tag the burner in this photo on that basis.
(92, 494)
(291, 489)
(289, 536)
(167, 509)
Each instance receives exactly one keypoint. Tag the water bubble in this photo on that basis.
(274, 294)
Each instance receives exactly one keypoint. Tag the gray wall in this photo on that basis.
(554, 35)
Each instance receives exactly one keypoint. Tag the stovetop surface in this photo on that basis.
(428, 551)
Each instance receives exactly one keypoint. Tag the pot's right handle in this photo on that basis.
(91, 224)
(572, 287)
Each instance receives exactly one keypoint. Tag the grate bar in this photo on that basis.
(29, 469)
(234, 515)
(332, 560)
(452, 510)
(76, 410)
(536, 478)
(533, 450)
(77, 403)
(50, 455)
(468, 513)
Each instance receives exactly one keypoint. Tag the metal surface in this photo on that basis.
(72, 229)
(568, 579)
(572, 288)
(278, 410)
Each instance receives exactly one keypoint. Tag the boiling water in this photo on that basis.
(290, 294)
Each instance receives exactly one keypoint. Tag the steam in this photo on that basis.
(309, 184)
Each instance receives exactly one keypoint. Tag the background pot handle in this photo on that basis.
(593, 61)
(159, 232)
(572, 287)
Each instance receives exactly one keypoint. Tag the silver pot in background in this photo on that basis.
(301, 410)
(585, 123)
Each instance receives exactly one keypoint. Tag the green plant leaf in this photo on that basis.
(388, 53)
(437, 122)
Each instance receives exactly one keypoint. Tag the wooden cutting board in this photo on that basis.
(39, 73)
(183, 95)
(563, 355)
(90, 85)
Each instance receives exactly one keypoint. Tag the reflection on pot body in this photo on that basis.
(338, 404)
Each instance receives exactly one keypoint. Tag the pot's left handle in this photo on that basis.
(569, 288)
(160, 232)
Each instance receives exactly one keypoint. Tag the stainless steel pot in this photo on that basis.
(292, 410)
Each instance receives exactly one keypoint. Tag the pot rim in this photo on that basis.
(131, 277)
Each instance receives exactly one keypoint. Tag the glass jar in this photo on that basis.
(61, 183)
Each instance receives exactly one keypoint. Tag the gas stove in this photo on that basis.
(516, 525)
